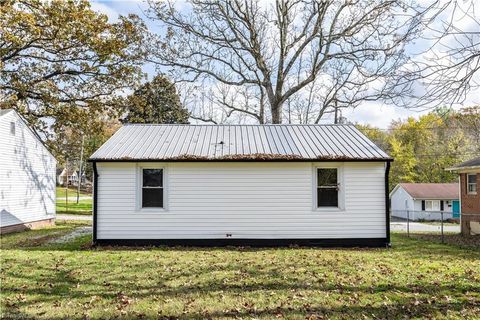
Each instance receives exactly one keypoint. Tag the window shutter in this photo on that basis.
(441, 205)
(423, 205)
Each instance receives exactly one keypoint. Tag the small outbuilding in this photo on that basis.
(425, 201)
(27, 176)
(256, 185)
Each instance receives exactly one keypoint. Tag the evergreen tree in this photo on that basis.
(156, 102)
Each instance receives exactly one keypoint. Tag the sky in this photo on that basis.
(373, 113)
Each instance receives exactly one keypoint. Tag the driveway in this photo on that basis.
(73, 217)
(423, 227)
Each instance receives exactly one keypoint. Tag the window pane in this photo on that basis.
(152, 197)
(472, 187)
(428, 205)
(472, 178)
(327, 197)
(326, 177)
(152, 177)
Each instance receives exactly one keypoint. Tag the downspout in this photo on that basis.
(387, 205)
(95, 193)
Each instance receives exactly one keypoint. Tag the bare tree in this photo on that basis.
(340, 50)
(449, 68)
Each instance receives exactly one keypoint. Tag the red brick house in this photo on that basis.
(469, 172)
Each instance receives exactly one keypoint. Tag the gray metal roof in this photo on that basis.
(472, 163)
(238, 142)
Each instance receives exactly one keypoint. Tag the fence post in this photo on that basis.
(408, 223)
(441, 213)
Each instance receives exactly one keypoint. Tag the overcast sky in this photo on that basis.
(373, 113)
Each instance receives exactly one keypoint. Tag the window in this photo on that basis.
(12, 128)
(432, 205)
(327, 187)
(152, 188)
(472, 183)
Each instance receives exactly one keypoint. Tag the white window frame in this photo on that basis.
(471, 184)
(139, 187)
(432, 208)
(341, 188)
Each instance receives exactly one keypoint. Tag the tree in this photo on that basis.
(449, 69)
(61, 61)
(67, 142)
(326, 51)
(156, 102)
(422, 148)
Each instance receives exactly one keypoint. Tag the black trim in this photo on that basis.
(240, 160)
(442, 206)
(346, 242)
(423, 205)
(387, 203)
(95, 184)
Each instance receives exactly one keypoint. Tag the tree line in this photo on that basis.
(423, 148)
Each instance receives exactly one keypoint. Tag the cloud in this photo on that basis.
(110, 12)
(378, 114)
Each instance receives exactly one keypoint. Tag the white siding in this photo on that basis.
(401, 201)
(246, 200)
(27, 175)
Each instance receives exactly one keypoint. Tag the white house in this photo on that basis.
(241, 185)
(426, 201)
(27, 176)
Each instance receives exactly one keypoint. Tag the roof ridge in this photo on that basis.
(241, 125)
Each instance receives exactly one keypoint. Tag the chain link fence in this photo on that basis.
(425, 221)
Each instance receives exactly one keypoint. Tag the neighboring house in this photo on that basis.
(27, 176)
(469, 177)
(425, 201)
(258, 185)
(72, 177)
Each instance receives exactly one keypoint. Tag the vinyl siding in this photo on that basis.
(27, 175)
(246, 200)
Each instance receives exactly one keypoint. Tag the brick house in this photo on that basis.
(469, 177)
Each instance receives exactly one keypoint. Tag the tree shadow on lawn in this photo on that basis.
(60, 280)
(408, 302)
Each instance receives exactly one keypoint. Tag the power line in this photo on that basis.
(420, 129)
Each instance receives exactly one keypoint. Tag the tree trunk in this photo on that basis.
(276, 113)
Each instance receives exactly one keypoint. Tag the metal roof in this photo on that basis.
(238, 142)
(432, 191)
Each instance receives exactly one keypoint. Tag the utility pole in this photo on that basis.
(66, 186)
(336, 112)
(80, 170)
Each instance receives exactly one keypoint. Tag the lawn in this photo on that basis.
(72, 192)
(416, 278)
(83, 207)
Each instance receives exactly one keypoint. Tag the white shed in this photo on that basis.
(258, 185)
(27, 176)
(425, 201)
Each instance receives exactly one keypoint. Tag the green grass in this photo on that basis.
(83, 207)
(72, 192)
(414, 279)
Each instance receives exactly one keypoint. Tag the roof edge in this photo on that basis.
(241, 160)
